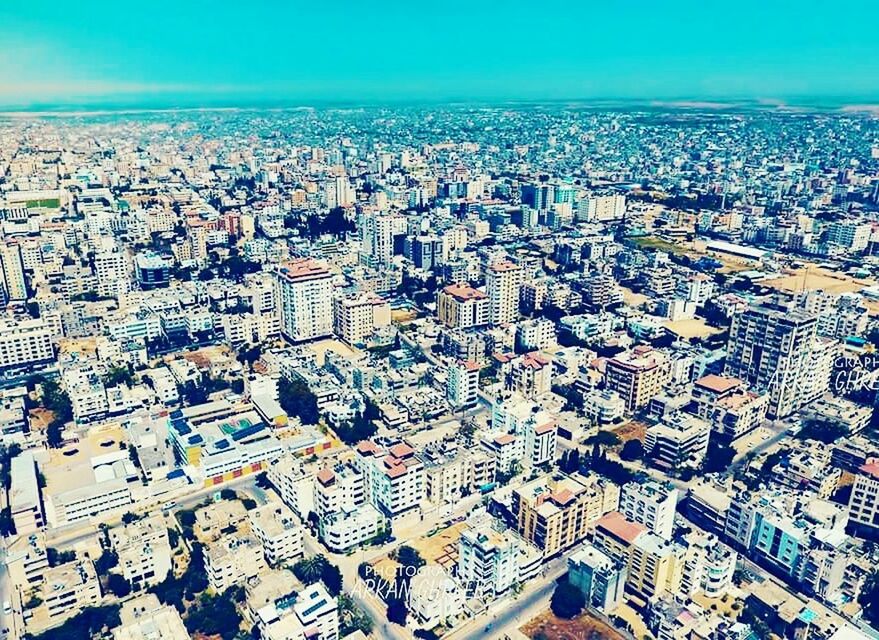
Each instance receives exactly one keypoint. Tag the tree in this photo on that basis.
(89, 623)
(604, 439)
(309, 570)
(869, 598)
(567, 601)
(718, 456)
(58, 402)
(397, 612)
(409, 557)
(214, 615)
(332, 579)
(107, 561)
(55, 557)
(296, 399)
(632, 450)
(351, 617)
(117, 376)
(117, 585)
(822, 431)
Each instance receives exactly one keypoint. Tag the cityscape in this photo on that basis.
(362, 322)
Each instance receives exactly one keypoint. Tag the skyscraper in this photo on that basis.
(773, 348)
(503, 281)
(305, 289)
(13, 272)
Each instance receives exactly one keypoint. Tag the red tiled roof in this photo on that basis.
(366, 446)
(395, 471)
(616, 524)
(463, 292)
(325, 476)
(718, 384)
(401, 450)
(871, 468)
(562, 498)
(545, 428)
(505, 439)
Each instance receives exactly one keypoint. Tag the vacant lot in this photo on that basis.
(694, 328)
(547, 626)
(815, 278)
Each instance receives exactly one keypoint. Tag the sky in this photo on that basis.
(233, 51)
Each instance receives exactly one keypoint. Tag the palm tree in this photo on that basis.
(309, 570)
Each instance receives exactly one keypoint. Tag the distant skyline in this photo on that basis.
(192, 53)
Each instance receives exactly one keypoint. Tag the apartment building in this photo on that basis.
(863, 506)
(728, 405)
(533, 335)
(145, 618)
(773, 349)
(394, 477)
(460, 306)
(69, 588)
(555, 514)
(27, 561)
(601, 578)
(278, 530)
(530, 375)
(462, 385)
(681, 439)
(86, 502)
(637, 376)
(232, 559)
(25, 504)
(25, 342)
(492, 558)
(294, 483)
(356, 317)
(144, 551)
(651, 504)
(305, 293)
(310, 613)
(503, 280)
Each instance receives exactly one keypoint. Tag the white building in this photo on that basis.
(231, 560)
(306, 300)
(503, 281)
(144, 551)
(462, 387)
(25, 342)
(278, 530)
(650, 504)
(356, 317)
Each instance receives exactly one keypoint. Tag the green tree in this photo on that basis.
(567, 601)
(718, 456)
(117, 585)
(869, 599)
(632, 450)
(296, 399)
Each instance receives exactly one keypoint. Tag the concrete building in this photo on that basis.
(358, 316)
(681, 439)
(278, 530)
(69, 588)
(651, 504)
(231, 560)
(145, 618)
(462, 386)
(555, 514)
(144, 551)
(728, 405)
(25, 342)
(503, 280)
(460, 306)
(772, 348)
(25, 504)
(530, 375)
(305, 294)
(863, 506)
(394, 477)
(637, 376)
(601, 578)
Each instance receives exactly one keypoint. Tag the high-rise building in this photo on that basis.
(637, 376)
(772, 348)
(13, 272)
(651, 504)
(377, 238)
(461, 306)
(503, 281)
(601, 578)
(863, 506)
(113, 273)
(462, 387)
(357, 316)
(305, 290)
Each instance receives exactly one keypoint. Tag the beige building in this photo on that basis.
(145, 618)
(356, 317)
(503, 281)
(730, 408)
(278, 530)
(531, 375)
(233, 559)
(863, 506)
(555, 514)
(460, 306)
(67, 589)
(144, 550)
(637, 376)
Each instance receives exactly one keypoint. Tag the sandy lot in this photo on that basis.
(320, 349)
(694, 328)
(633, 299)
(814, 278)
(549, 627)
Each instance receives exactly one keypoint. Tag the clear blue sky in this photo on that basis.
(346, 50)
